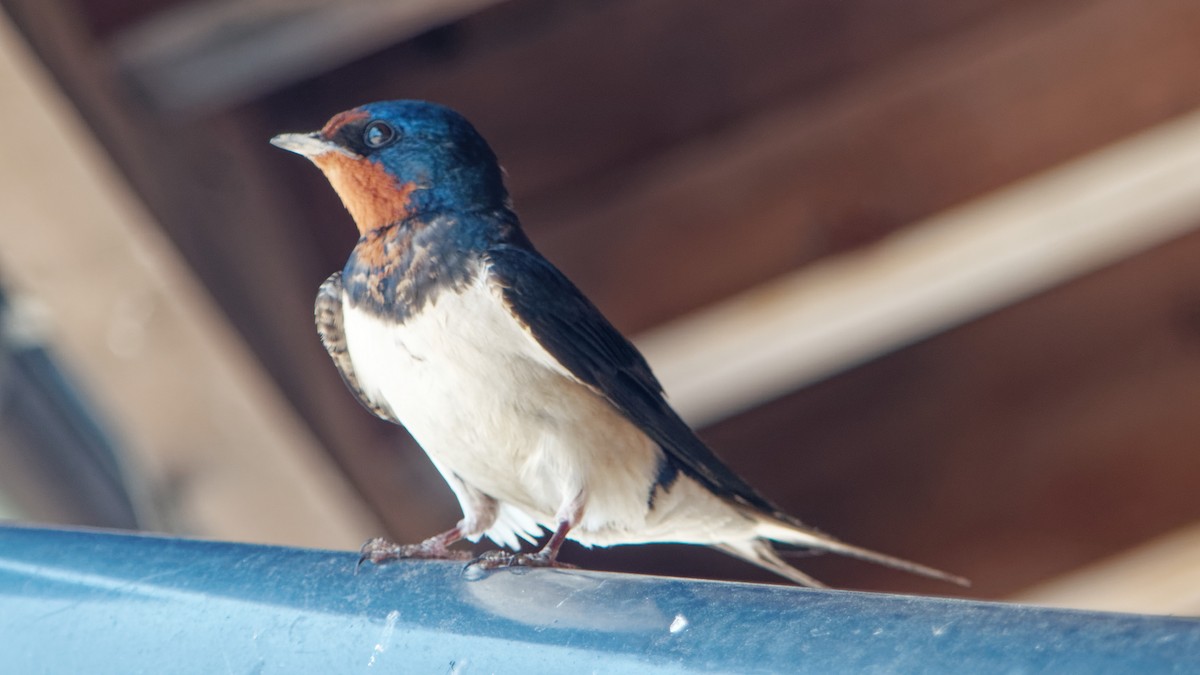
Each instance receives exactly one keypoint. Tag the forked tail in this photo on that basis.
(760, 552)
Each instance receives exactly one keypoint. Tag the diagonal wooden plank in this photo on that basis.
(1158, 577)
(220, 452)
(936, 274)
(204, 56)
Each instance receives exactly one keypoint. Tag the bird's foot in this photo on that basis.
(380, 550)
(498, 559)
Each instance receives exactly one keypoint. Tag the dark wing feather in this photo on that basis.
(572, 330)
(328, 315)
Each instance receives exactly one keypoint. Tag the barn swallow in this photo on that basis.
(537, 412)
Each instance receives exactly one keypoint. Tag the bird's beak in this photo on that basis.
(311, 145)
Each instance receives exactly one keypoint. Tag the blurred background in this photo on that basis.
(926, 273)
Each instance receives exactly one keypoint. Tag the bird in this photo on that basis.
(538, 413)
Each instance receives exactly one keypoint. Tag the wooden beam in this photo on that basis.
(211, 443)
(202, 57)
(1159, 577)
(936, 274)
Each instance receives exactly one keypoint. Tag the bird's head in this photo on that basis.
(392, 160)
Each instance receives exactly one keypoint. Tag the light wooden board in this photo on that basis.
(221, 453)
(1159, 577)
(942, 272)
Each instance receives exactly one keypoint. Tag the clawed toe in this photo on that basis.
(498, 559)
(380, 550)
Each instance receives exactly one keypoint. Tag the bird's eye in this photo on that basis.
(378, 134)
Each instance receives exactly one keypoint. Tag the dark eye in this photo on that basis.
(378, 134)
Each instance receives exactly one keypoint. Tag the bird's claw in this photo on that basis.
(380, 550)
(493, 560)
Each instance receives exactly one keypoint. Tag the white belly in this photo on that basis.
(491, 406)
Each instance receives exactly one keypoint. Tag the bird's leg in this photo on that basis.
(547, 555)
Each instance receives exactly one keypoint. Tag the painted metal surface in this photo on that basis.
(100, 602)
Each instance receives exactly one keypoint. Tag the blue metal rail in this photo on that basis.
(99, 602)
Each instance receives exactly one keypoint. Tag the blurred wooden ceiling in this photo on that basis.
(671, 155)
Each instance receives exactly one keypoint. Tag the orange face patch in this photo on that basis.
(368, 191)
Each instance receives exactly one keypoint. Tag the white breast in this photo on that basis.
(490, 405)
